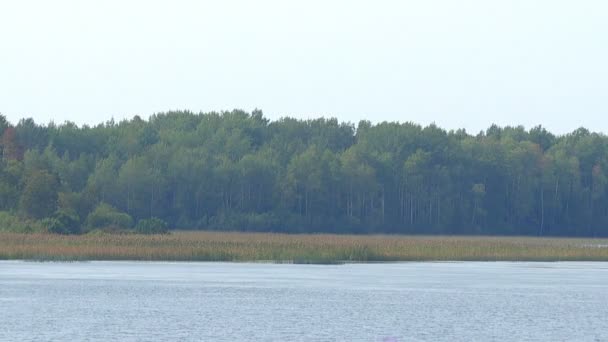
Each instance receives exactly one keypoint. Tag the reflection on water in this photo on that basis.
(139, 301)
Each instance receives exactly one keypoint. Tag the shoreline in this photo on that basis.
(213, 246)
(278, 263)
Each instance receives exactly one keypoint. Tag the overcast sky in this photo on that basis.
(460, 64)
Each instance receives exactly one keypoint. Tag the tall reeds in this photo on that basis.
(310, 248)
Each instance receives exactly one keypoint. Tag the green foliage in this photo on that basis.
(106, 216)
(4, 124)
(15, 224)
(79, 203)
(64, 222)
(151, 226)
(246, 222)
(239, 171)
(39, 196)
(10, 176)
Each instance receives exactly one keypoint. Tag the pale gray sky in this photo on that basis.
(465, 63)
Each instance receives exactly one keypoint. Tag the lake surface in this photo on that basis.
(157, 301)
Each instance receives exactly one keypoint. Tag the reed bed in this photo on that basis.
(307, 248)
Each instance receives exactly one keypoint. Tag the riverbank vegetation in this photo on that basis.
(240, 171)
(304, 248)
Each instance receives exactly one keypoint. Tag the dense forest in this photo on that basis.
(240, 171)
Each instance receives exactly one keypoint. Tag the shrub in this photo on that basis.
(81, 203)
(151, 226)
(64, 222)
(245, 221)
(15, 224)
(105, 216)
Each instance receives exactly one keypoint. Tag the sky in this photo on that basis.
(459, 64)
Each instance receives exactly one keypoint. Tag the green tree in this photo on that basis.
(39, 197)
(239, 170)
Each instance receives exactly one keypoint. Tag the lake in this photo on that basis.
(160, 301)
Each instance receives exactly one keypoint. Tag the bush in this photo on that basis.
(105, 216)
(151, 226)
(64, 222)
(81, 203)
(15, 224)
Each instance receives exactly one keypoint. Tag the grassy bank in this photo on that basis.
(217, 246)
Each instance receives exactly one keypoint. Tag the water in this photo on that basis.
(139, 301)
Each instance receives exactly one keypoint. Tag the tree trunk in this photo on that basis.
(542, 210)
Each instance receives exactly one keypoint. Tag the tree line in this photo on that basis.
(240, 171)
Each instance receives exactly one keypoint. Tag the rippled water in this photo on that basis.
(140, 301)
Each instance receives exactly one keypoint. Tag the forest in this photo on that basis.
(239, 171)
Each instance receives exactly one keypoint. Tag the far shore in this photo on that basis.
(302, 248)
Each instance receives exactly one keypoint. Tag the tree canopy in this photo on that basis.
(240, 171)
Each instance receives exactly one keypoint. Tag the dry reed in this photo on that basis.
(309, 248)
